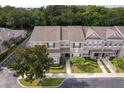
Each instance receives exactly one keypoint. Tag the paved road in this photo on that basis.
(7, 80)
(23, 45)
(93, 83)
(11, 57)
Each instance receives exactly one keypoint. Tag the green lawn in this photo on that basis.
(46, 82)
(57, 68)
(118, 69)
(90, 68)
(119, 64)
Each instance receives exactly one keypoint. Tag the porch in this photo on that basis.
(106, 53)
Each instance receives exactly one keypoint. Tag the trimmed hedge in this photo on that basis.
(56, 66)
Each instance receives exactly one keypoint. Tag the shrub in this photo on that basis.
(56, 66)
(88, 68)
(118, 62)
(111, 58)
(78, 61)
(62, 60)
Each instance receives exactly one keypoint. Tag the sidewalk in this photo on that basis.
(68, 67)
(106, 62)
(101, 66)
(85, 75)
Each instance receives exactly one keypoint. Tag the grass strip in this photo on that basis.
(45, 82)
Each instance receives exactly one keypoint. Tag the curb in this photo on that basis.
(61, 83)
(40, 86)
(21, 84)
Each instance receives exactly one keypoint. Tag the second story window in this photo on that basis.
(115, 44)
(110, 44)
(105, 44)
(50, 45)
(120, 44)
(76, 45)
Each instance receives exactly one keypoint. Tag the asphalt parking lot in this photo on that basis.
(7, 80)
(93, 83)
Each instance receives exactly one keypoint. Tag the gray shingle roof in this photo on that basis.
(102, 31)
(45, 33)
(6, 33)
(73, 33)
(121, 29)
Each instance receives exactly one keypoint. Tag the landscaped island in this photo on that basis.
(50, 82)
(84, 65)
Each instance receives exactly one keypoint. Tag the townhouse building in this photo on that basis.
(6, 34)
(94, 42)
(102, 41)
(49, 36)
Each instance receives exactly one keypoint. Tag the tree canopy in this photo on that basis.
(60, 15)
(32, 62)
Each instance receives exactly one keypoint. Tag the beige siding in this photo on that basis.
(57, 45)
(79, 50)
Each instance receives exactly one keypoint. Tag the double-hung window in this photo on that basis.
(76, 45)
(105, 44)
(115, 44)
(120, 44)
(51, 45)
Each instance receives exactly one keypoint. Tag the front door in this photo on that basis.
(96, 55)
(67, 55)
(104, 55)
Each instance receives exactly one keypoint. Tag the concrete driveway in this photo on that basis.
(93, 83)
(7, 80)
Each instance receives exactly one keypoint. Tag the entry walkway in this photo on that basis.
(101, 66)
(109, 65)
(68, 67)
